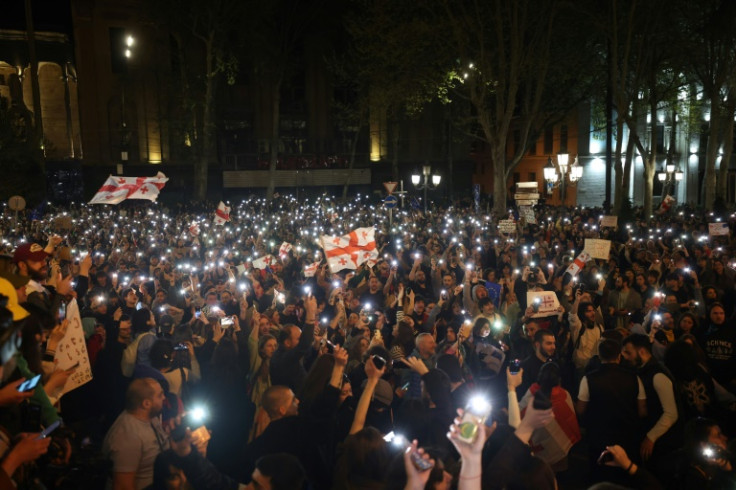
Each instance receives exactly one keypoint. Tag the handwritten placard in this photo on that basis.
(718, 229)
(527, 212)
(609, 222)
(598, 249)
(506, 226)
(545, 301)
(72, 350)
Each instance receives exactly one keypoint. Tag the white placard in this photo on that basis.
(718, 229)
(598, 249)
(527, 212)
(72, 350)
(548, 302)
(507, 226)
(609, 222)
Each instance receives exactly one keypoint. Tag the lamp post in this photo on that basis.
(124, 131)
(566, 175)
(425, 185)
(670, 175)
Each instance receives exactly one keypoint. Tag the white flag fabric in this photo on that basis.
(284, 249)
(311, 270)
(194, 228)
(263, 262)
(578, 264)
(351, 250)
(666, 204)
(222, 214)
(117, 189)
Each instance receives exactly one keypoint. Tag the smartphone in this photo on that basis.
(197, 312)
(48, 430)
(62, 312)
(378, 361)
(226, 321)
(330, 346)
(605, 457)
(535, 305)
(29, 384)
(515, 366)
(475, 415)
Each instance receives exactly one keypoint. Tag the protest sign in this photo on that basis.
(547, 301)
(72, 351)
(609, 222)
(717, 229)
(506, 226)
(598, 249)
(527, 212)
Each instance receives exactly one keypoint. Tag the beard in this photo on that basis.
(38, 275)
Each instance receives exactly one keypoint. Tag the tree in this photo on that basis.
(203, 35)
(710, 30)
(399, 60)
(522, 66)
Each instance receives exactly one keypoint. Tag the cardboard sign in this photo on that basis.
(527, 212)
(506, 226)
(598, 249)
(72, 350)
(718, 229)
(547, 301)
(609, 222)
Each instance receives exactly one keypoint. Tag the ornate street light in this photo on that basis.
(426, 185)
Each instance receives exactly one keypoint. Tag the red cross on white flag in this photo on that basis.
(578, 264)
(118, 189)
(222, 214)
(263, 262)
(351, 250)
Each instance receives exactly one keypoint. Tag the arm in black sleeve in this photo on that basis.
(202, 474)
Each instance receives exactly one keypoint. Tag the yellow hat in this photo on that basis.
(7, 289)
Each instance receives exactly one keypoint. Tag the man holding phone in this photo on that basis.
(137, 438)
(287, 367)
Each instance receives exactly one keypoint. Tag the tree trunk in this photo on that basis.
(712, 153)
(727, 149)
(275, 137)
(351, 163)
(38, 143)
(207, 148)
(650, 162)
(628, 164)
(499, 181)
(619, 190)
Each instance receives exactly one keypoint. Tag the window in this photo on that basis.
(563, 138)
(548, 141)
(533, 148)
(532, 176)
(517, 177)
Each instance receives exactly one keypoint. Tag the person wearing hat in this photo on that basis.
(19, 284)
(31, 261)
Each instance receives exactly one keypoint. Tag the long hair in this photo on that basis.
(316, 381)
(404, 338)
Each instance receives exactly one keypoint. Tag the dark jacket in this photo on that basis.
(287, 368)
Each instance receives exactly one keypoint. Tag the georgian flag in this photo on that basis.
(284, 249)
(666, 204)
(222, 214)
(578, 264)
(117, 189)
(311, 270)
(263, 262)
(351, 250)
(194, 228)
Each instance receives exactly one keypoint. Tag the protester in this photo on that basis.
(271, 321)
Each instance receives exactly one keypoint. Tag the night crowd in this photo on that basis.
(233, 356)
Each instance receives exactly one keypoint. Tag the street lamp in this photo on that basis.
(567, 175)
(416, 179)
(670, 175)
